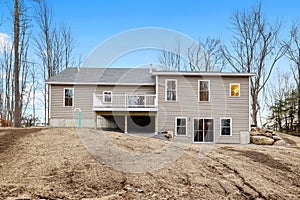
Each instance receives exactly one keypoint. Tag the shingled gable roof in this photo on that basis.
(139, 76)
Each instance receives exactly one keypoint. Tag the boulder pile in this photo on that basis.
(265, 137)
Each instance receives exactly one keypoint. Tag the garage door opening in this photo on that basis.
(141, 124)
(130, 123)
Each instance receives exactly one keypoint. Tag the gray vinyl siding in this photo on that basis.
(121, 89)
(221, 105)
(83, 98)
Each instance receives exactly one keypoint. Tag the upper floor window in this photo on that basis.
(226, 126)
(234, 89)
(171, 90)
(68, 97)
(203, 91)
(107, 96)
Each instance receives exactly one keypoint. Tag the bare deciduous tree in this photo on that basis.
(21, 63)
(69, 44)
(54, 46)
(7, 73)
(206, 56)
(255, 50)
(170, 60)
(293, 54)
(278, 90)
(16, 43)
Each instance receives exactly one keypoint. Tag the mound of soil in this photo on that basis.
(57, 164)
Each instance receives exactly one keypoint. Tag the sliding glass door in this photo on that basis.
(203, 130)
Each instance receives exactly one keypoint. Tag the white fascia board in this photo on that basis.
(202, 74)
(96, 83)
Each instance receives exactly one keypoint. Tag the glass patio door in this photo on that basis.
(203, 130)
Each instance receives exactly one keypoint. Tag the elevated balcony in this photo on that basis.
(124, 102)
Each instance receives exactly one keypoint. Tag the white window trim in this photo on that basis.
(230, 90)
(166, 89)
(186, 121)
(110, 96)
(199, 91)
(72, 99)
(230, 126)
(194, 130)
(50, 102)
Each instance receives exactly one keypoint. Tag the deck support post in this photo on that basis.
(95, 120)
(125, 124)
(156, 124)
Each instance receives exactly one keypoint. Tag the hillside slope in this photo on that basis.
(61, 164)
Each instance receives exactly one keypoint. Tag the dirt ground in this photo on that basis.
(66, 164)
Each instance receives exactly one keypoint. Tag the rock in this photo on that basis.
(266, 134)
(140, 190)
(276, 137)
(268, 131)
(253, 129)
(279, 143)
(262, 140)
(252, 133)
(169, 135)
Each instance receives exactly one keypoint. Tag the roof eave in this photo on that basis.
(96, 83)
(202, 74)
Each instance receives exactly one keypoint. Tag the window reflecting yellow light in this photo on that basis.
(235, 90)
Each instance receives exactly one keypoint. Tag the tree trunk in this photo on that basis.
(254, 109)
(298, 95)
(298, 102)
(45, 107)
(17, 110)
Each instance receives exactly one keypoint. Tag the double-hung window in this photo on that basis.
(203, 90)
(171, 90)
(68, 97)
(181, 126)
(226, 126)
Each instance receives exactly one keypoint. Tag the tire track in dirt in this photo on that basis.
(10, 136)
(242, 179)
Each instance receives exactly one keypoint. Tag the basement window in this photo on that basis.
(68, 97)
(226, 126)
(181, 126)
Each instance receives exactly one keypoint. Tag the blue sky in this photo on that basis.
(93, 21)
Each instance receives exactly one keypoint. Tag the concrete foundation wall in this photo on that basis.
(86, 123)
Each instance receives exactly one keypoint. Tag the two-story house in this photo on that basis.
(201, 107)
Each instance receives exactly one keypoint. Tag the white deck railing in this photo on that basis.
(124, 101)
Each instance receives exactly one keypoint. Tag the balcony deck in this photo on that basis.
(125, 102)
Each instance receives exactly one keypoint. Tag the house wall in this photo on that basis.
(121, 89)
(187, 105)
(61, 116)
(220, 105)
